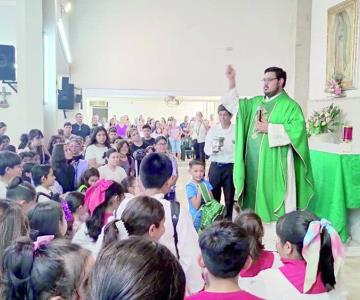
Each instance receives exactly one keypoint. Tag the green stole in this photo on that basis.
(260, 172)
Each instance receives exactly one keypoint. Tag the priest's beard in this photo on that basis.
(272, 93)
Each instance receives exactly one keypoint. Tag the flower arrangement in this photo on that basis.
(334, 86)
(323, 121)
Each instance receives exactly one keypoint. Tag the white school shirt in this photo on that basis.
(117, 175)
(271, 284)
(41, 189)
(226, 154)
(188, 244)
(97, 153)
(277, 137)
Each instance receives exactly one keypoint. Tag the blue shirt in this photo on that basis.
(191, 191)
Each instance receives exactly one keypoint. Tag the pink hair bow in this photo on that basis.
(42, 240)
(311, 250)
(95, 195)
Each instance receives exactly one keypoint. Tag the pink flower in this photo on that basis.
(337, 90)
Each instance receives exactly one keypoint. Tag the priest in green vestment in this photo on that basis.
(272, 171)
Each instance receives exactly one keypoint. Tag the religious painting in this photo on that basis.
(341, 43)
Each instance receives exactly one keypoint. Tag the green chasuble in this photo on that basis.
(260, 172)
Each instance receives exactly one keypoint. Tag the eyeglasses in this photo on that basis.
(267, 80)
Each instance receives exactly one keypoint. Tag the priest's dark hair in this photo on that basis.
(128, 269)
(155, 170)
(224, 248)
(292, 227)
(280, 73)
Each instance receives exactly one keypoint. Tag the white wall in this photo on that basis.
(317, 96)
(156, 108)
(180, 45)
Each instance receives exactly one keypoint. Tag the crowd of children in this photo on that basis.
(98, 219)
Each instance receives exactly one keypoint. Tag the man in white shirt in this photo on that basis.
(219, 146)
(10, 166)
(156, 177)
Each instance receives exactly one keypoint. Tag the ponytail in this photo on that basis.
(326, 261)
(24, 141)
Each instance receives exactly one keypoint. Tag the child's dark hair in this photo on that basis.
(54, 139)
(292, 227)
(155, 170)
(196, 162)
(121, 144)
(127, 183)
(2, 125)
(58, 159)
(44, 218)
(112, 129)
(87, 174)
(92, 140)
(20, 190)
(25, 139)
(127, 269)
(25, 154)
(8, 159)
(54, 269)
(146, 126)
(74, 200)
(27, 167)
(109, 152)
(38, 172)
(10, 148)
(95, 222)
(251, 223)
(140, 213)
(225, 248)
(160, 138)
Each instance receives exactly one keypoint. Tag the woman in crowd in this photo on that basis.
(98, 145)
(54, 139)
(63, 170)
(126, 161)
(199, 131)
(34, 141)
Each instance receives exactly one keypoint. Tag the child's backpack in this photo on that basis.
(212, 210)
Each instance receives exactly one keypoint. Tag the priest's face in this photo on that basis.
(272, 85)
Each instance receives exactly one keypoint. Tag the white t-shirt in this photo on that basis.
(117, 175)
(97, 153)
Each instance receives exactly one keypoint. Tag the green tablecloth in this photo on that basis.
(337, 187)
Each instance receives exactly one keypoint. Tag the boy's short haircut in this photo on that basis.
(67, 124)
(155, 170)
(196, 162)
(112, 129)
(29, 154)
(39, 171)
(8, 159)
(225, 248)
(146, 126)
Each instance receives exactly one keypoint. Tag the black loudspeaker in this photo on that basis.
(7, 63)
(66, 97)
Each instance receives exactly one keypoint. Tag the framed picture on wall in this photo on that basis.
(342, 30)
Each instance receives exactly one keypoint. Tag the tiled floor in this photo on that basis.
(350, 276)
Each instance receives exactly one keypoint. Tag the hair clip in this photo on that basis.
(42, 240)
(67, 211)
(122, 230)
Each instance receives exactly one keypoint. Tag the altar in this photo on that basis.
(336, 171)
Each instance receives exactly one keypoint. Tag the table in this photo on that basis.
(337, 187)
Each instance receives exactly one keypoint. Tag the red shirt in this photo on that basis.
(239, 295)
(294, 271)
(265, 261)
